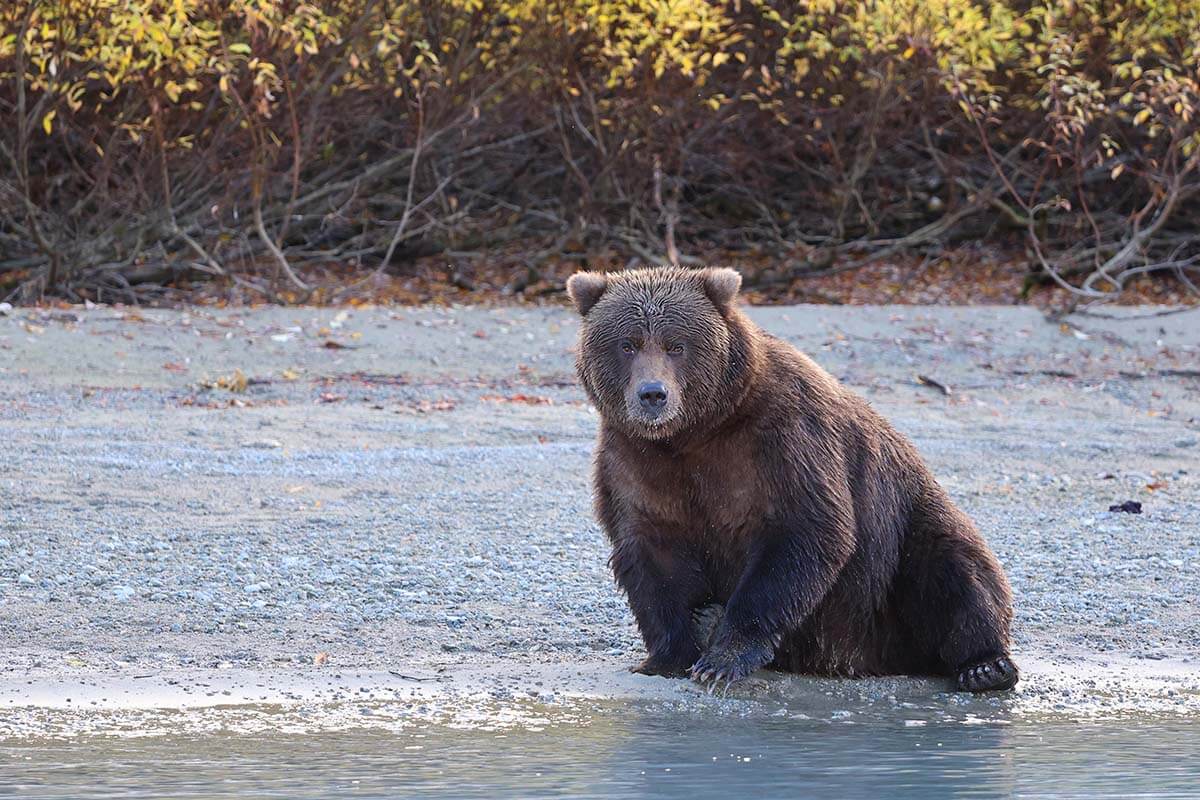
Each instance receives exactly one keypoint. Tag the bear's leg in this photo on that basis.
(794, 564)
(962, 631)
(958, 606)
(663, 589)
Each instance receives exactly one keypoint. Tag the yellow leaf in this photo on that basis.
(48, 122)
(1142, 116)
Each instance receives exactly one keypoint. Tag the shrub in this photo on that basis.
(156, 140)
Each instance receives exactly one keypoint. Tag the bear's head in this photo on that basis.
(662, 350)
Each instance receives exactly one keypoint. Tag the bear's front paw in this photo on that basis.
(706, 621)
(730, 662)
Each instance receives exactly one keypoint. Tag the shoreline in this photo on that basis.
(516, 694)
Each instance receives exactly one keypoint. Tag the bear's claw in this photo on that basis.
(712, 675)
(990, 675)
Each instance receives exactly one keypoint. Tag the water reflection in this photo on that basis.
(629, 752)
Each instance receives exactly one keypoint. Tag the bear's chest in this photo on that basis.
(715, 492)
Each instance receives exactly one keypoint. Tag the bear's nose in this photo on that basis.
(653, 395)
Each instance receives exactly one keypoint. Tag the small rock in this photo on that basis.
(252, 588)
(24, 578)
(263, 444)
(123, 592)
(5, 309)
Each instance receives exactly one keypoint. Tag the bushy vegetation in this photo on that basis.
(150, 141)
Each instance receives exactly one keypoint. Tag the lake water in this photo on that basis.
(629, 751)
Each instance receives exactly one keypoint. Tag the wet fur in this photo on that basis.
(779, 495)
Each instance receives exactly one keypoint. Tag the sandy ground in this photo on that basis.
(397, 501)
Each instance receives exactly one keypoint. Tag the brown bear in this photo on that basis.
(732, 470)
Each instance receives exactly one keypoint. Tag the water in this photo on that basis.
(629, 752)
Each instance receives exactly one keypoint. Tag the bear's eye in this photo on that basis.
(675, 349)
(627, 347)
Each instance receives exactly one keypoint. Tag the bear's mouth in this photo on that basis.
(653, 425)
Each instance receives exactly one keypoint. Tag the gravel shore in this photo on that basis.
(291, 491)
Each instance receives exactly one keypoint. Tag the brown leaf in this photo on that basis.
(525, 399)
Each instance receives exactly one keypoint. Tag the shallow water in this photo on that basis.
(630, 752)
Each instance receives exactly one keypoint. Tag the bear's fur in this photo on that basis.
(733, 470)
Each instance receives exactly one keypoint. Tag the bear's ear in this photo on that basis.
(721, 286)
(585, 288)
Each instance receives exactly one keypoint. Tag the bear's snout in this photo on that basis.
(653, 396)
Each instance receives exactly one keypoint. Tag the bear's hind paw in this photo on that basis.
(990, 675)
(653, 666)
